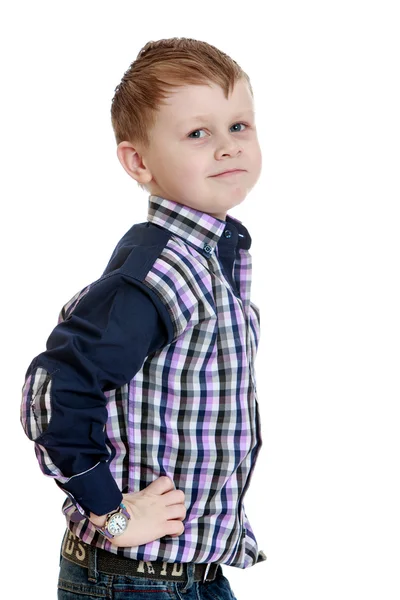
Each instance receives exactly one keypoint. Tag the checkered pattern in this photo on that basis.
(36, 407)
(191, 410)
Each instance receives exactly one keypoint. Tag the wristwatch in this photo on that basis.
(116, 522)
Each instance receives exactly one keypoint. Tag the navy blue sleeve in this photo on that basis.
(100, 346)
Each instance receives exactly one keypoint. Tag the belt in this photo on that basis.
(78, 552)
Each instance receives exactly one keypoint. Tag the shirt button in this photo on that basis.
(228, 233)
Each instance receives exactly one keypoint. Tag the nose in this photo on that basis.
(227, 146)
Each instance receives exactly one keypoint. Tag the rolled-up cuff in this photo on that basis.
(95, 490)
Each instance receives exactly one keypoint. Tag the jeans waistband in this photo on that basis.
(95, 559)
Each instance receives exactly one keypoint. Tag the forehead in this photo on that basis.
(200, 102)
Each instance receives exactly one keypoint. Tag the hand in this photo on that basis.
(156, 511)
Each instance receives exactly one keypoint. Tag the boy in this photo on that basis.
(143, 407)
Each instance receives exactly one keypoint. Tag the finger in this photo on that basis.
(174, 528)
(174, 497)
(177, 511)
(161, 485)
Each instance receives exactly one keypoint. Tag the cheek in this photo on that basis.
(257, 158)
(168, 167)
(189, 167)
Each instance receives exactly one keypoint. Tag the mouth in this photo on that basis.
(230, 172)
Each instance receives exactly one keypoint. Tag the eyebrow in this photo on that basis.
(205, 117)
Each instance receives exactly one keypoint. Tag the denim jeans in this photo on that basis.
(73, 584)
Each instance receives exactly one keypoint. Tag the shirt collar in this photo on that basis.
(197, 228)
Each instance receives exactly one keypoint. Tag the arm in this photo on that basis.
(100, 346)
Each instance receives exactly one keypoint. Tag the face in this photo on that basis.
(186, 153)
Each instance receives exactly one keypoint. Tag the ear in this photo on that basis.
(133, 163)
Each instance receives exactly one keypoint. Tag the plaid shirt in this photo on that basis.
(150, 372)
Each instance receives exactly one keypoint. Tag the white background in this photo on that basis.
(324, 218)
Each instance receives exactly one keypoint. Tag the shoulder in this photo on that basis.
(129, 263)
(137, 250)
(173, 274)
(151, 254)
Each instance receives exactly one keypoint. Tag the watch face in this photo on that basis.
(117, 524)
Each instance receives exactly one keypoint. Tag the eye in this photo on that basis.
(239, 124)
(197, 130)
